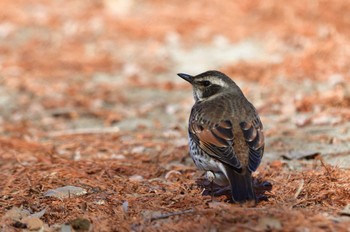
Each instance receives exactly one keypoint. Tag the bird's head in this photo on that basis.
(209, 84)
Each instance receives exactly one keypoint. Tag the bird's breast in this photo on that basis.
(201, 159)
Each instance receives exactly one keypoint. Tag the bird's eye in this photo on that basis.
(205, 83)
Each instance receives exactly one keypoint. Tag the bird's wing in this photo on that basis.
(215, 139)
(254, 137)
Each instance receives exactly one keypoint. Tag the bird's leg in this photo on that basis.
(210, 177)
(224, 190)
(214, 184)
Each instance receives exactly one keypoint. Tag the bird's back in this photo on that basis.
(232, 107)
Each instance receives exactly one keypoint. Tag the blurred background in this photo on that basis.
(112, 64)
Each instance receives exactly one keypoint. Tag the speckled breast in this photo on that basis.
(201, 159)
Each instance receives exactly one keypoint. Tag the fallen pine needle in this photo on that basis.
(166, 215)
(300, 188)
(329, 174)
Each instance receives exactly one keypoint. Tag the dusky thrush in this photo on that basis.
(226, 136)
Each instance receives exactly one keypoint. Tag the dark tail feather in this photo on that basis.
(241, 186)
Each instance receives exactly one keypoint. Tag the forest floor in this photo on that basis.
(90, 101)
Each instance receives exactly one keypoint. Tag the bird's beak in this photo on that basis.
(186, 77)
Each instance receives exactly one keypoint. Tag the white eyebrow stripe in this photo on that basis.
(218, 82)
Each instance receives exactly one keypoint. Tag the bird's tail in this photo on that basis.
(241, 186)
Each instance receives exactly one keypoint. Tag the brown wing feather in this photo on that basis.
(254, 136)
(215, 139)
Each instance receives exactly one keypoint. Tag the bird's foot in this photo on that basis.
(212, 189)
(261, 187)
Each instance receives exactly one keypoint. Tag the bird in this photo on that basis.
(226, 138)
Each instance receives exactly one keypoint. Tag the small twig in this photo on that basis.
(329, 175)
(166, 215)
(304, 201)
(300, 188)
(29, 181)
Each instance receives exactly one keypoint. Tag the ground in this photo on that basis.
(89, 98)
